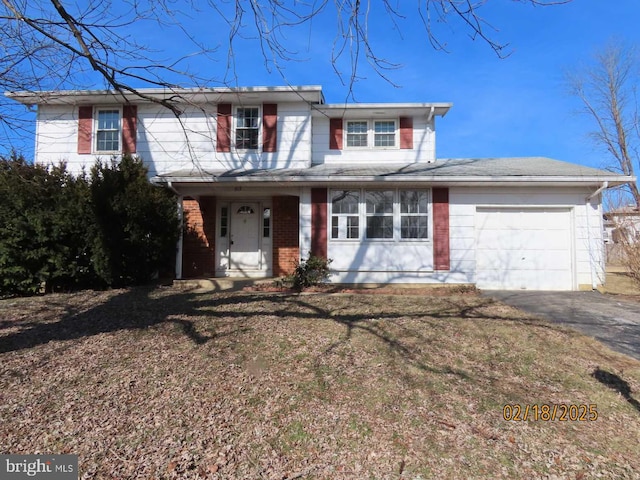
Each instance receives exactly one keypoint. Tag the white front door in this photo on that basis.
(244, 244)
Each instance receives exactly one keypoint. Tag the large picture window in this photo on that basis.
(247, 128)
(401, 215)
(108, 130)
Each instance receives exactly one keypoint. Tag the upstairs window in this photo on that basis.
(384, 133)
(108, 130)
(371, 133)
(357, 133)
(247, 128)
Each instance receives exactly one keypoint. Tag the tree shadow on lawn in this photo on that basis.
(134, 309)
(616, 383)
(137, 308)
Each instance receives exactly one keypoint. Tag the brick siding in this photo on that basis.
(198, 246)
(286, 244)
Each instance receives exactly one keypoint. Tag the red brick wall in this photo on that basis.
(198, 245)
(286, 245)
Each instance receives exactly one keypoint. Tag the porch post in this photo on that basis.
(180, 240)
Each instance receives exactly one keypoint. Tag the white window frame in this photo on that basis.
(96, 129)
(370, 215)
(363, 215)
(371, 134)
(236, 117)
(427, 191)
(342, 219)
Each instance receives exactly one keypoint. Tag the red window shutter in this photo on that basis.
(406, 132)
(129, 128)
(441, 256)
(319, 222)
(85, 127)
(223, 136)
(335, 134)
(269, 127)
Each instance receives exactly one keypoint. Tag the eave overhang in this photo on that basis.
(307, 93)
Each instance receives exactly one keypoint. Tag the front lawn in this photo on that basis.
(167, 383)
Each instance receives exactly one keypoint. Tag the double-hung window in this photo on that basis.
(379, 214)
(108, 130)
(247, 128)
(384, 133)
(414, 214)
(345, 217)
(357, 134)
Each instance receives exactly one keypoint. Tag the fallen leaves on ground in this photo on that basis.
(165, 383)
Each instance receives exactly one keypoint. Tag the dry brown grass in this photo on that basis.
(163, 383)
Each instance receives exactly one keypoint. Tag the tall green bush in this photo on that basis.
(44, 224)
(136, 223)
(60, 231)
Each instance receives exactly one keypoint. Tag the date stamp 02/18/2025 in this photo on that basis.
(560, 412)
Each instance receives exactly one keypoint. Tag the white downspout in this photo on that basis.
(592, 265)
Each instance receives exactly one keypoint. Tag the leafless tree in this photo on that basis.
(48, 45)
(608, 90)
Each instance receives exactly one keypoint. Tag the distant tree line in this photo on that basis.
(106, 228)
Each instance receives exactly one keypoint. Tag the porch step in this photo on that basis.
(222, 284)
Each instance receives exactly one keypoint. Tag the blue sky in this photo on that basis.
(514, 106)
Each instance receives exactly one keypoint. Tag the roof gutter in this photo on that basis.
(334, 179)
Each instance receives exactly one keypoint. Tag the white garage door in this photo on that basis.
(523, 249)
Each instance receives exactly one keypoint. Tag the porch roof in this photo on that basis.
(464, 171)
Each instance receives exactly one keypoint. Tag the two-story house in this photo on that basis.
(265, 175)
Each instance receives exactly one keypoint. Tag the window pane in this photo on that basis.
(335, 231)
(108, 120)
(353, 224)
(385, 140)
(414, 202)
(224, 218)
(356, 127)
(385, 127)
(266, 222)
(108, 140)
(379, 202)
(247, 139)
(345, 201)
(414, 227)
(380, 227)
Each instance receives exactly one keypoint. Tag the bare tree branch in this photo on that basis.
(607, 89)
(80, 45)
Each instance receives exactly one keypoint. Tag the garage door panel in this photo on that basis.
(523, 249)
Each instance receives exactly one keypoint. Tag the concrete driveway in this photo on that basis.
(616, 323)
